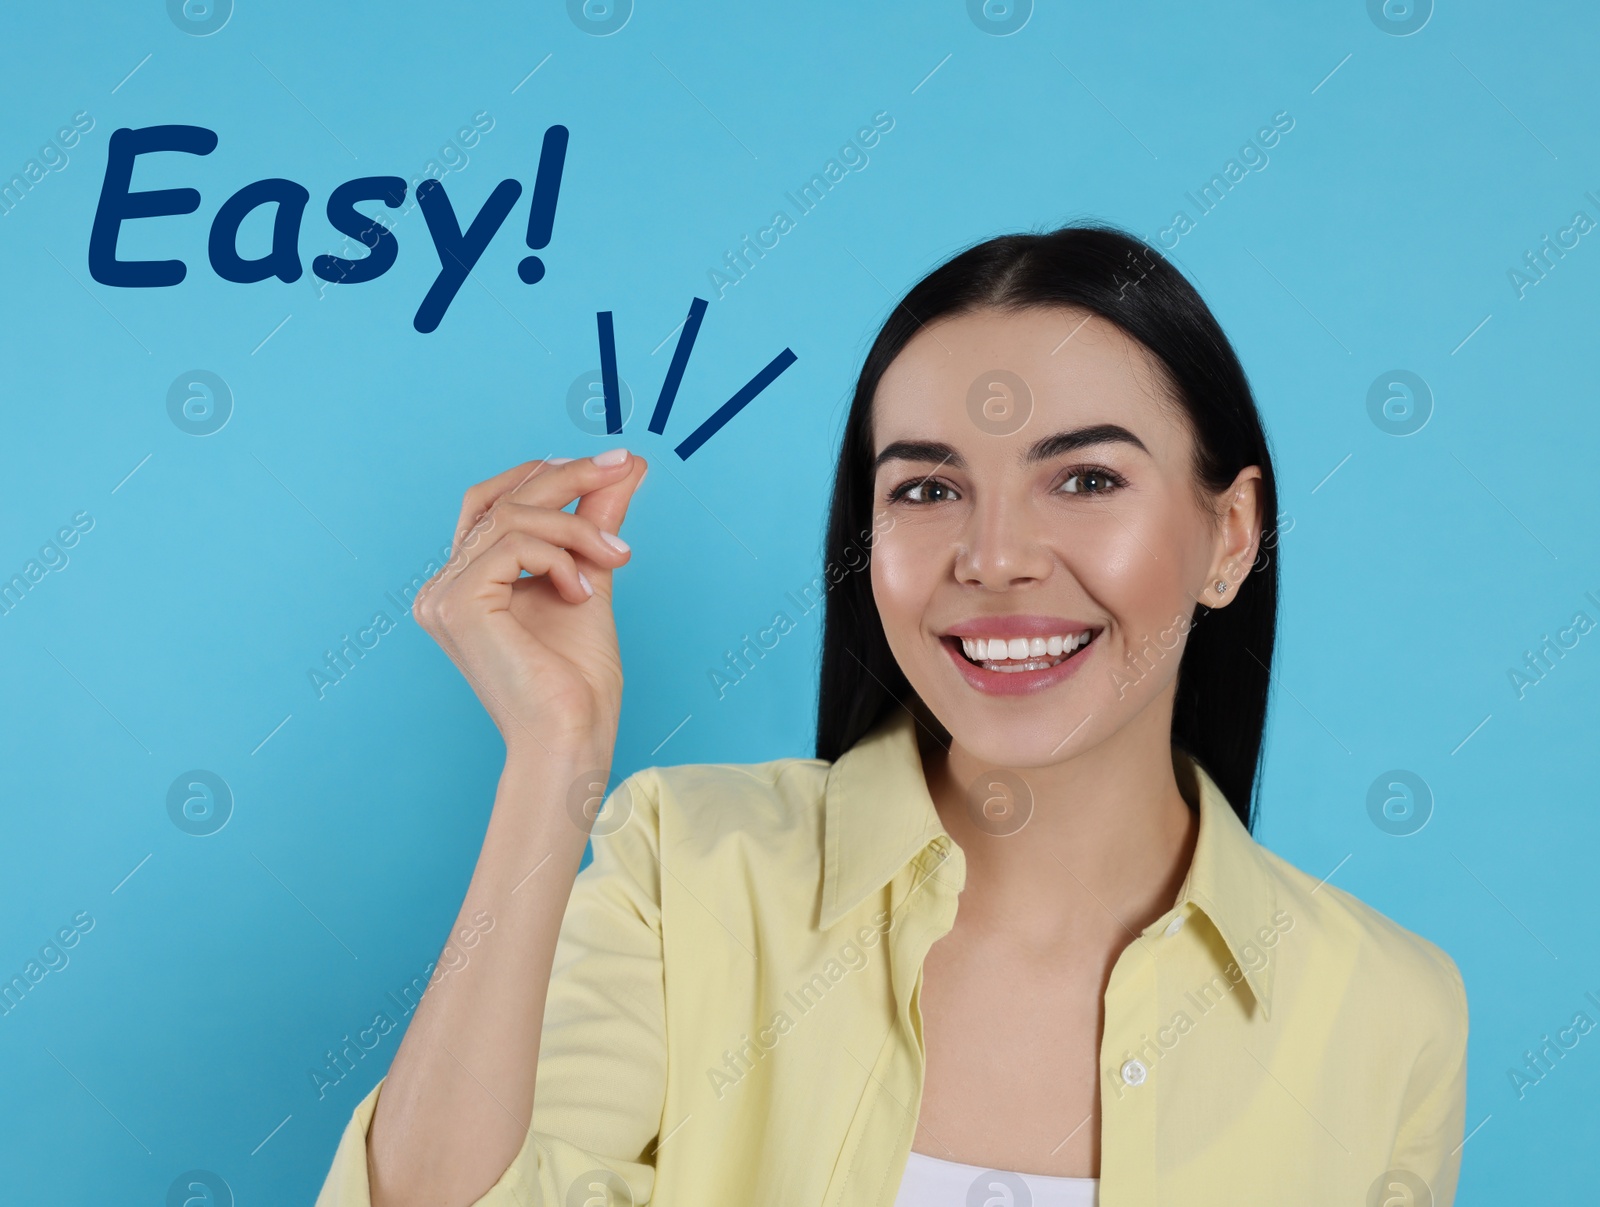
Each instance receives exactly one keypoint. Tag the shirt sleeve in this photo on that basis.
(601, 1083)
(1433, 1117)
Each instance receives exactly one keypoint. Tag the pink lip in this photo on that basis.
(1016, 683)
(1016, 626)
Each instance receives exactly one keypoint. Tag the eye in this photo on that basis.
(907, 491)
(1092, 480)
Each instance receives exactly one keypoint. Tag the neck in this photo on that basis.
(1109, 840)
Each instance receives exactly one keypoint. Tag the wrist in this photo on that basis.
(579, 748)
(543, 768)
(547, 800)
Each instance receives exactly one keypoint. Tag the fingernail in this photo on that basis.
(585, 582)
(612, 456)
(616, 542)
(643, 476)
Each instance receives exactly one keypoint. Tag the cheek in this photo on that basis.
(904, 574)
(894, 576)
(1138, 566)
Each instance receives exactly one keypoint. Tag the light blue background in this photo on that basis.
(1419, 170)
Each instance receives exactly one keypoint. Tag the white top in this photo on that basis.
(932, 1182)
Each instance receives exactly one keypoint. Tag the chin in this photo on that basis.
(1018, 735)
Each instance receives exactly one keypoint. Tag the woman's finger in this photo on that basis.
(488, 580)
(553, 483)
(481, 497)
(559, 485)
(562, 528)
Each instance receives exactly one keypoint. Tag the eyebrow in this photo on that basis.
(1041, 450)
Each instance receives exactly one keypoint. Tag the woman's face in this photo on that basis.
(1035, 486)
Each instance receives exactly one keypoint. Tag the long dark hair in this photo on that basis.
(1220, 710)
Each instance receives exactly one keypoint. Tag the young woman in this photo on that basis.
(1050, 615)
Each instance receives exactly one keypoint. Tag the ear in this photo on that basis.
(1238, 537)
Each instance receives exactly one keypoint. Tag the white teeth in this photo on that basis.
(1016, 649)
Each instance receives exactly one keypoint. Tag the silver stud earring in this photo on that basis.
(1221, 587)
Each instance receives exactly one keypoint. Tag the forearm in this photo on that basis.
(456, 1104)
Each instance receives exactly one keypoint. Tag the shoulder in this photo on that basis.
(700, 803)
(1407, 977)
(719, 827)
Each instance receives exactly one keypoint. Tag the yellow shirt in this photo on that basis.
(733, 1015)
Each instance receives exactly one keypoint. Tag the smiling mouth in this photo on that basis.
(1041, 653)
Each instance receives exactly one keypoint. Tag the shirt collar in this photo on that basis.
(879, 815)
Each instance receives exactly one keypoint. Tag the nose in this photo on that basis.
(1001, 546)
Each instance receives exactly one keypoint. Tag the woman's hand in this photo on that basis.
(540, 652)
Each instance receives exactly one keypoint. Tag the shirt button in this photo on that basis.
(1174, 926)
(1134, 1072)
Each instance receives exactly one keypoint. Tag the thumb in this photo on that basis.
(608, 507)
